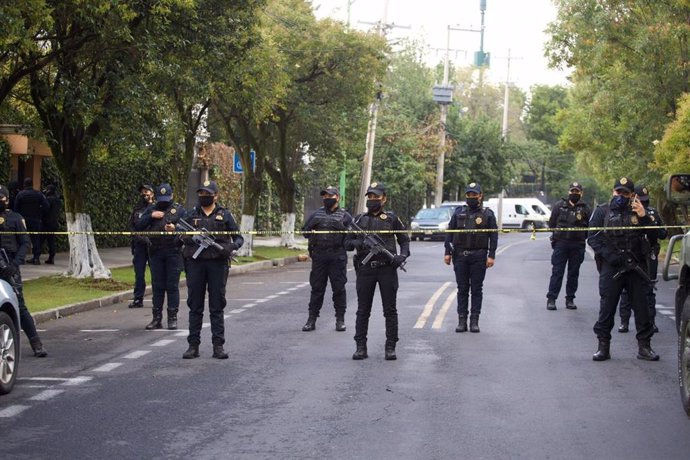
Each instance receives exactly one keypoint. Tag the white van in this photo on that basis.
(520, 212)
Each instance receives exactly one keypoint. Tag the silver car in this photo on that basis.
(9, 337)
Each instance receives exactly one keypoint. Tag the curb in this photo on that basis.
(123, 296)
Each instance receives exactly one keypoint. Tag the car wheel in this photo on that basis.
(684, 364)
(528, 225)
(9, 353)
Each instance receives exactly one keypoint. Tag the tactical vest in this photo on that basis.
(213, 223)
(468, 219)
(569, 217)
(632, 241)
(172, 215)
(322, 220)
(8, 242)
(374, 224)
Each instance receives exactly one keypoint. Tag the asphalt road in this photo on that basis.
(525, 387)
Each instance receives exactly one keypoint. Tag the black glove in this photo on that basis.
(9, 271)
(367, 244)
(227, 251)
(615, 259)
(398, 260)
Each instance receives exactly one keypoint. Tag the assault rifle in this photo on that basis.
(203, 239)
(632, 266)
(5, 267)
(375, 245)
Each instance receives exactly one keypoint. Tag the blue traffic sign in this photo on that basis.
(237, 162)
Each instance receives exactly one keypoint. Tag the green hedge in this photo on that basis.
(4, 162)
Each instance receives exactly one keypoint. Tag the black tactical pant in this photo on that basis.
(26, 321)
(140, 253)
(387, 278)
(565, 253)
(50, 239)
(166, 266)
(211, 274)
(625, 305)
(470, 270)
(610, 290)
(324, 267)
(35, 226)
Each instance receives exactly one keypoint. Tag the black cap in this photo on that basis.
(575, 186)
(209, 186)
(473, 187)
(377, 188)
(145, 187)
(625, 184)
(164, 192)
(642, 192)
(4, 192)
(330, 190)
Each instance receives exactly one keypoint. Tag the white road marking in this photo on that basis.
(107, 367)
(77, 380)
(41, 330)
(262, 300)
(45, 379)
(429, 307)
(35, 386)
(248, 305)
(162, 343)
(205, 325)
(181, 334)
(137, 354)
(245, 300)
(11, 411)
(502, 249)
(46, 395)
(438, 322)
(252, 282)
(271, 296)
(282, 293)
(237, 310)
(291, 282)
(98, 330)
(666, 312)
(292, 289)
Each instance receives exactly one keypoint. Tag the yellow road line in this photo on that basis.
(444, 310)
(429, 307)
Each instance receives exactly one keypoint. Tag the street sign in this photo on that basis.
(237, 163)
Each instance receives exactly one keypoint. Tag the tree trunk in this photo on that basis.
(246, 227)
(287, 230)
(84, 260)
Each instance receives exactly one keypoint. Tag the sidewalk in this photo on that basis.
(122, 257)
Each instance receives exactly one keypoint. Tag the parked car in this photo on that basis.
(431, 222)
(520, 212)
(9, 337)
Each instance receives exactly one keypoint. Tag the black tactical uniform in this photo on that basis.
(652, 263)
(32, 206)
(165, 256)
(16, 244)
(208, 271)
(568, 246)
(622, 261)
(470, 252)
(378, 269)
(50, 221)
(328, 256)
(140, 248)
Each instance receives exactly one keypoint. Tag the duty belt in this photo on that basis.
(378, 263)
(467, 252)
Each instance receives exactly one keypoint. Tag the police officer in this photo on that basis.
(16, 244)
(652, 263)
(164, 255)
(209, 270)
(622, 261)
(140, 245)
(328, 256)
(378, 269)
(32, 206)
(471, 252)
(568, 246)
(50, 221)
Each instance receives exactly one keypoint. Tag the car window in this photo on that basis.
(520, 209)
(434, 213)
(538, 210)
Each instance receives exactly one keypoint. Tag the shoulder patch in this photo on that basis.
(384, 216)
(219, 216)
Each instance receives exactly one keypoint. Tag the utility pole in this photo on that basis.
(506, 98)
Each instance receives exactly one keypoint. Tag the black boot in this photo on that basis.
(645, 351)
(603, 353)
(192, 351)
(474, 323)
(361, 352)
(551, 304)
(172, 320)
(340, 323)
(570, 304)
(37, 347)
(656, 329)
(219, 353)
(462, 324)
(390, 352)
(50, 261)
(156, 322)
(136, 303)
(310, 324)
(625, 325)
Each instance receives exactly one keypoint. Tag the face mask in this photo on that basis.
(162, 205)
(373, 205)
(472, 202)
(205, 201)
(620, 202)
(3, 206)
(329, 202)
(574, 198)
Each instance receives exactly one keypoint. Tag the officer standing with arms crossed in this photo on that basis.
(622, 258)
(140, 245)
(379, 269)
(328, 257)
(652, 262)
(209, 270)
(568, 246)
(16, 244)
(164, 255)
(471, 252)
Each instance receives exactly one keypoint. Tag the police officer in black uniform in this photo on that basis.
(16, 244)
(471, 252)
(165, 257)
(328, 256)
(32, 206)
(209, 270)
(378, 269)
(652, 263)
(568, 246)
(622, 261)
(140, 245)
(51, 221)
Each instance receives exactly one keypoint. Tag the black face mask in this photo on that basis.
(373, 205)
(329, 202)
(473, 203)
(205, 201)
(620, 202)
(163, 205)
(3, 206)
(574, 197)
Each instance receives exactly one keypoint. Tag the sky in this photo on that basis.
(517, 25)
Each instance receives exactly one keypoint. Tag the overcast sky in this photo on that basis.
(517, 25)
